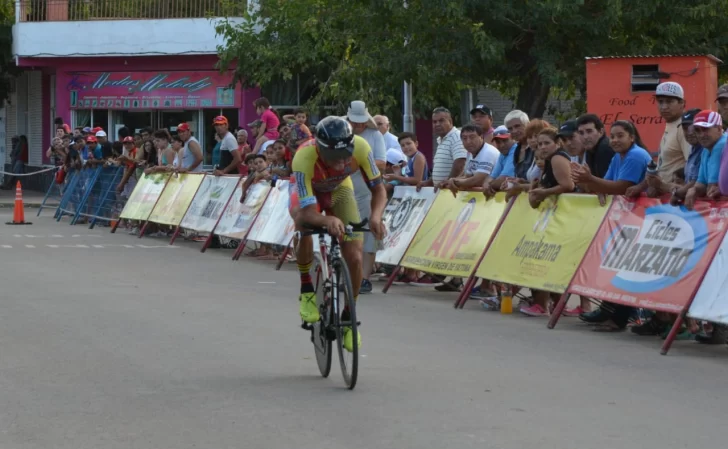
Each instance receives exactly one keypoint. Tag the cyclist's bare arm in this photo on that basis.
(379, 202)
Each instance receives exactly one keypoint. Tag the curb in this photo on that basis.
(34, 205)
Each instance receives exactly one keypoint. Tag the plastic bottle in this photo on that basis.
(506, 303)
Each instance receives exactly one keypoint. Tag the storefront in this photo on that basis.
(151, 92)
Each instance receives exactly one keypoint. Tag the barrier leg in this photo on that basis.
(241, 248)
(673, 332)
(283, 257)
(175, 235)
(207, 242)
(115, 225)
(143, 229)
(465, 294)
(88, 189)
(48, 193)
(391, 279)
(105, 196)
(558, 310)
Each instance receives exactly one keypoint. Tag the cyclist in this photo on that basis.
(321, 182)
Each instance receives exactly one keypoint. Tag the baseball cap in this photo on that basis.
(707, 119)
(501, 132)
(86, 130)
(670, 89)
(255, 123)
(689, 117)
(220, 120)
(91, 139)
(101, 133)
(97, 129)
(183, 127)
(568, 128)
(128, 139)
(482, 108)
(722, 92)
(395, 157)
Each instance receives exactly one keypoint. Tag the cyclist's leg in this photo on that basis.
(304, 260)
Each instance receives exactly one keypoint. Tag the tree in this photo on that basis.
(8, 69)
(364, 49)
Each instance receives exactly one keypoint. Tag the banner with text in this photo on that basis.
(711, 301)
(208, 204)
(274, 224)
(454, 233)
(651, 255)
(144, 196)
(402, 217)
(237, 218)
(176, 198)
(542, 248)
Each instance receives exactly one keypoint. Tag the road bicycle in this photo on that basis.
(334, 296)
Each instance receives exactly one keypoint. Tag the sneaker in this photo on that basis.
(576, 311)
(366, 286)
(308, 309)
(596, 316)
(491, 303)
(649, 327)
(134, 231)
(534, 310)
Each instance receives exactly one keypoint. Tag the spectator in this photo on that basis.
(62, 126)
(504, 167)
(556, 179)
(482, 116)
(243, 149)
(692, 166)
(479, 163)
(533, 174)
(390, 140)
(57, 152)
(129, 159)
(268, 128)
(146, 134)
(255, 127)
(628, 168)
(599, 154)
(165, 152)
(230, 156)
(73, 157)
(674, 148)
(94, 149)
(104, 144)
(364, 126)
(416, 170)
(722, 100)
(191, 158)
(516, 122)
(708, 126)
(281, 166)
(396, 165)
(78, 131)
(450, 155)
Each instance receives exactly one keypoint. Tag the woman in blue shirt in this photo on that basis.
(628, 166)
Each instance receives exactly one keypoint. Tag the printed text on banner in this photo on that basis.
(208, 205)
(176, 199)
(402, 217)
(145, 196)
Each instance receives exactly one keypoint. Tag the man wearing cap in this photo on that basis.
(482, 116)
(692, 166)
(709, 128)
(191, 158)
(104, 144)
(230, 156)
(390, 140)
(94, 149)
(722, 100)
(396, 161)
(674, 149)
(254, 131)
(504, 166)
(364, 126)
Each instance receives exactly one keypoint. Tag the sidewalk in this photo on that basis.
(30, 199)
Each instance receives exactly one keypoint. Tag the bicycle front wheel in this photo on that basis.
(321, 335)
(343, 320)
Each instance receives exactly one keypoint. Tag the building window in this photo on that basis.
(645, 78)
(91, 117)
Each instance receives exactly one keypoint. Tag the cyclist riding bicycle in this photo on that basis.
(321, 182)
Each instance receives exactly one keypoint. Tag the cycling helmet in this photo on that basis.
(334, 138)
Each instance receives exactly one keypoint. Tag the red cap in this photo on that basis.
(183, 127)
(707, 119)
(128, 139)
(91, 139)
(220, 120)
(97, 129)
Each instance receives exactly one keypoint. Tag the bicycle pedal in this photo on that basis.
(307, 326)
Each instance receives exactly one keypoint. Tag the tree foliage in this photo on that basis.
(364, 49)
(8, 70)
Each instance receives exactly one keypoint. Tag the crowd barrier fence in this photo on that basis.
(642, 253)
(55, 190)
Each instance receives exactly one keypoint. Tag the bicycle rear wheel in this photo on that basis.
(320, 336)
(344, 300)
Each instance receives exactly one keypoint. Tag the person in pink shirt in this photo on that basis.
(269, 128)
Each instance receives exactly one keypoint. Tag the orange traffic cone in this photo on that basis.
(19, 211)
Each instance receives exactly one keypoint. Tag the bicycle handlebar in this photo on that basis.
(350, 229)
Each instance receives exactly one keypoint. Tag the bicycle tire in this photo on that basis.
(342, 280)
(322, 345)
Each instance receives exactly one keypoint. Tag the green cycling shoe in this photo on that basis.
(349, 339)
(307, 308)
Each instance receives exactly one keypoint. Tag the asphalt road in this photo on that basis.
(108, 344)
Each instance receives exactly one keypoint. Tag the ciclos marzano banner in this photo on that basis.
(651, 255)
(402, 217)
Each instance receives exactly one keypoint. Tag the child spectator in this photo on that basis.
(416, 170)
(281, 164)
(268, 129)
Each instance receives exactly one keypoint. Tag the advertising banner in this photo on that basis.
(711, 301)
(454, 233)
(150, 90)
(208, 204)
(176, 199)
(144, 196)
(402, 217)
(274, 224)
(651, 255)
(542, 248)
(237, 218)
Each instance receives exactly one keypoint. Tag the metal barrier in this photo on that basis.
(55, 190)
(101, 197)
(78, 194)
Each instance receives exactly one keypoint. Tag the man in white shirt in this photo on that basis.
(230, 157)
(390, 140)
(450, 155)
(480, 161)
